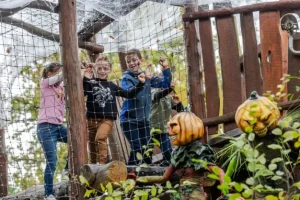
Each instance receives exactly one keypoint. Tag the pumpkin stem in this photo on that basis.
(253, 95)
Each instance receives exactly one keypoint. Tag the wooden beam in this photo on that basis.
(193, 57)
(74, 93)
(48, 35)
(269, 6)
(227, 118)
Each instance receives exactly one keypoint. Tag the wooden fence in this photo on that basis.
(260, 67)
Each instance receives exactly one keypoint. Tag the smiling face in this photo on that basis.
(258, 115)
(133, 62)
(102, 68)
(185, 127)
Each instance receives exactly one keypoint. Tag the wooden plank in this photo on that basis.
(195, 76)
(225, 12)
(211, 79)
(293, 68)
(271, 55)
(122, 61)
(230, 64)
(74, 95)
(253, 77)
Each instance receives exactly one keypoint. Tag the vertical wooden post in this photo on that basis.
(195, 70)
(74, 95)
(122, 61)
(3, 166)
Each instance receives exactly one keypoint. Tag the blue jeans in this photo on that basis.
(138, 135)
(48, 135)
(165, 146)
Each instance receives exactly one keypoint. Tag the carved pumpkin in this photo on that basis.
(185, 127)
(257, 114)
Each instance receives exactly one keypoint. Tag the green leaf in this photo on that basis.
(238, 187)
(109, 188)
(109, 198)
(274, 146)
(160, 189)
(153, 191)
(138, 169)
(227, 179)
(213, 176)
(139, 156)
(136, 198)
(216, 170)
(275, 160)
(117, 193)
(83, 180)
(251, 137)
(297, 144)
(247, 193)
(234, 196)
(139, 192)
(156, 142)
(249, 129)
(262, 159)
(155, 198)
(88, 193)
(290, 135)
(275, 178)
(271, 197)
(297, 185)
(144, 165)
(168, 185)
(286, 152)
(277, 131)
(250, 181)
(279, 173)
(102, 187)
(272, 167)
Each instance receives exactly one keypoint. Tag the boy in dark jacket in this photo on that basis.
(134, 117)
(101, 106)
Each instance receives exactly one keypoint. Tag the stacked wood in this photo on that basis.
(114, 171)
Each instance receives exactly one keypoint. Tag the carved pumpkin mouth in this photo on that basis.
(261, 132)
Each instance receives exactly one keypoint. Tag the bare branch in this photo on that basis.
(39, 4)
(48, 35)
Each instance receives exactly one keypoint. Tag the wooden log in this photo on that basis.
(195, 71)
(253, 77)
(122, 61)
(3, 166)
(271, 55)
(269, 6)
(210, 71)
(74, 94)
(37, 192)
(230, 64)
(114, 171)
(227, 118)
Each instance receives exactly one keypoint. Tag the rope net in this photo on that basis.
(33, 121)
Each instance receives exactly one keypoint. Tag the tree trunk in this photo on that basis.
(114, 171)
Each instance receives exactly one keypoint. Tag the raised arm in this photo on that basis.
(164, 82)
(129, 94)
(58, 78)
(161, 94)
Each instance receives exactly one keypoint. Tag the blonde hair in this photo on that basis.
(103, 58)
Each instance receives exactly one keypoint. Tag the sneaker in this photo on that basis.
(50, 197)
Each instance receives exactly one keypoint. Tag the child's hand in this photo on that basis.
(176, 99)
(87, 70)
(172, 85)
(149, 71)
(142, 77)
(163, 62)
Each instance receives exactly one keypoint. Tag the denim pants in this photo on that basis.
(165, 146)
(138, 135)
(48, 135)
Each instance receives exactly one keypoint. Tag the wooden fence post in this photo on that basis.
(74, 95)
(195, 70)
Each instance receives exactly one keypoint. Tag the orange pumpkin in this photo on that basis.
(258, 115)
(185, 127)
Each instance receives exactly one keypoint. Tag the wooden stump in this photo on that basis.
(114, 171)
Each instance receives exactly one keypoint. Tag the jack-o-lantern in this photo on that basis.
(257, 114)
(185, 127)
